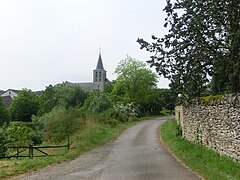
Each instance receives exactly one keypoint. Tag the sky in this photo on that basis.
(45, 42)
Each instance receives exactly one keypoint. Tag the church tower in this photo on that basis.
(99, 75)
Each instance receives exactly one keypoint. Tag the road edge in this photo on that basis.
(167, 148)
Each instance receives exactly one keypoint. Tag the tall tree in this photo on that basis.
(24, 106)
(203, 41)
(134, 83)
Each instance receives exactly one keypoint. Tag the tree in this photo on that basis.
(100, 103)
(3, 113)
(134, 82)
(24, 106)
(168, 97)
(48, 100)
(61, 95)
(153, 103)
(97, 102)
(203, 41)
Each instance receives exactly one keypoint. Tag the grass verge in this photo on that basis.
(91, 136)
(202, 160)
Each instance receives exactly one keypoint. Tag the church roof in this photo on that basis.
(99, 63)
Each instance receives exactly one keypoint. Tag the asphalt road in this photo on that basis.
(136, 154)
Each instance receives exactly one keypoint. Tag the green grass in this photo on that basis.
(91, 136)
(207, 163)
(165, 112)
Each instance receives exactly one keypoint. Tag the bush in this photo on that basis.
(4, 141)
(36, 137)
(124, 113)
(107, 118)
(100, 103)
(19, 134)
(60, 124)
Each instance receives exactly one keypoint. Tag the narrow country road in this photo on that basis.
(137, 154)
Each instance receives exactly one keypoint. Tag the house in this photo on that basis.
(99, 78)
(8, 96)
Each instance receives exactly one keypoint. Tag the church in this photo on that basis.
(99, 78)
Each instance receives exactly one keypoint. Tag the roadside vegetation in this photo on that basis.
(202, 160)
(91, 135)
(65, 113)
(199, 54)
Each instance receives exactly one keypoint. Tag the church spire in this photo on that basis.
(99, 63)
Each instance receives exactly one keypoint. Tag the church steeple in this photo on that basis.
(99, 63)
(99, 74)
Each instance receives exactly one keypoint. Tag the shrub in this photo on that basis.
(124, 113)
(100, 103)
(107, 118)
(36, 137)
(19, 134)
(60, 124)
(4, 141)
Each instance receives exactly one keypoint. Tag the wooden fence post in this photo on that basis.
(68, 143)
(30, 151)
(17, 153)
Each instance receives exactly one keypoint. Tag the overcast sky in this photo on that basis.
(46, 42)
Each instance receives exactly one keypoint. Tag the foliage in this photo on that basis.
(58, 125)
(3, 113)
(207, 99)
(24, 106)
(203, 41)
(48, 100)
(135, 83)
(124, 113)
(19, 134)
(178, 130)
(168, 97)
(4, 141)
(109, 87)
(100, 102)
(91, 136)
(165, 112)
(152, 105)
(204, 161)
(63, 95)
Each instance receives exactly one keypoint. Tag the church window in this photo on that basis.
(96, 76)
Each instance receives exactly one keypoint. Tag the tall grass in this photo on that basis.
(204, 161)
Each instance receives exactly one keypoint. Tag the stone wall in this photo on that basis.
(215, 124)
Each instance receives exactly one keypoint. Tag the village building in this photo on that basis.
(8, 96)
(99, 82)
(99, 78)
